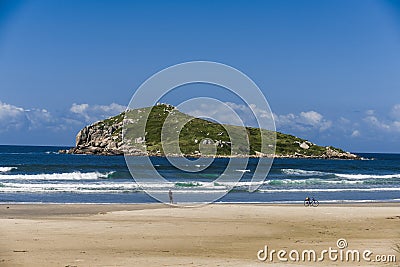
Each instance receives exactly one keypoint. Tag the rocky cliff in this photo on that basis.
(101, 138)
(105, 138)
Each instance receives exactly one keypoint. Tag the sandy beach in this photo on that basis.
(212, 235)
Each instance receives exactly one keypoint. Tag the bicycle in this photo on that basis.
(311, 202)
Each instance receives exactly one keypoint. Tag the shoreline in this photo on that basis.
(266, 203)
(289, 203)
(76, 151)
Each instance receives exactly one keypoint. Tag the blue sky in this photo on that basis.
(329, 69)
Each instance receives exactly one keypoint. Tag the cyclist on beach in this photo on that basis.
(311, 202)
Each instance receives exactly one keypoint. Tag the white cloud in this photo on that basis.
(9, 111)
(389, 123)
(395, 112)
(355, 133)
(11, 117)
(396, 125)
(92, 113)
(79, 108)
(311, 117)
(18, 118)
(304, 121)
(375, 122)
(282, 120)
(112, 109)
(369, 124)
(370, 112)
(301, 122)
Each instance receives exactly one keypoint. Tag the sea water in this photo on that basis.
(39, 174)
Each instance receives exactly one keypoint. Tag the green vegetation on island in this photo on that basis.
(196, 136)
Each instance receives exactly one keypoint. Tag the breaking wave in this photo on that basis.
(300, 172)
(7, 169)
(57, 176)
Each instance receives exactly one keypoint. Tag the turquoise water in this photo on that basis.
(40, 174)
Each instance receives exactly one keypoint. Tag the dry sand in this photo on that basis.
(212, 235)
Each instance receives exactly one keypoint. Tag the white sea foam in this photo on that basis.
(7, 169)
(367, 176)
(57, 176)
(68, 187)
(300, 172)
(9, 187)
(329, 190)
(243, 171)
(205, 187)
(101, 187)
(115, 187)
(310, 181)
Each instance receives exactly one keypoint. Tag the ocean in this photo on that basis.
(38, 174)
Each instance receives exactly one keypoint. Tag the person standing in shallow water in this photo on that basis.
(171, 199)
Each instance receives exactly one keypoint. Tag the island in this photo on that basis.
(105, 138)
